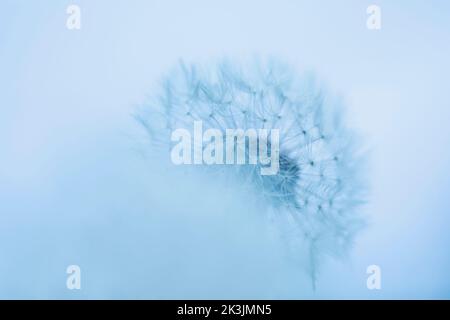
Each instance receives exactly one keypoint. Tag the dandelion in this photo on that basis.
(318, 189)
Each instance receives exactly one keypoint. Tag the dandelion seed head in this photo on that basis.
(319, 187)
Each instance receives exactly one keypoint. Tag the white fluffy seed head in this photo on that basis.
(318, 188)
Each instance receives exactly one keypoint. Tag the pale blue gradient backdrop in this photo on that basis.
(75, 187)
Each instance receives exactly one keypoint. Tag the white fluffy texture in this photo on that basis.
(315, 196)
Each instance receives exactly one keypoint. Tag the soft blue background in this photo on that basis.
(76, 189)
